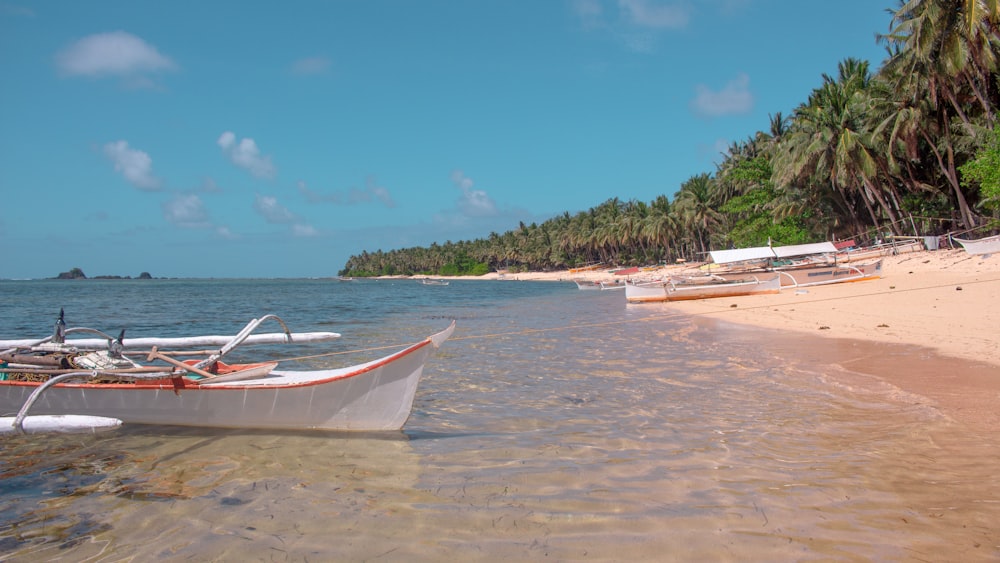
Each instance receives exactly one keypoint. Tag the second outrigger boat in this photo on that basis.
(704, 287)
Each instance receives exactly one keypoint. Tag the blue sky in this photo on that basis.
(264, 139)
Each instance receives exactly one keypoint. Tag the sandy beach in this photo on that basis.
(945, 302)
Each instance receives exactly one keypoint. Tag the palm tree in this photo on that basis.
(946, 64)
(827, 144)
(695, 205)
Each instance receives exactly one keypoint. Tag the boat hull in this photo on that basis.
(824, 275)
(645, 292)
(670, 291)
(686, 292)
(373, 396)
(808, 276)
(988, 245)
(874, 253)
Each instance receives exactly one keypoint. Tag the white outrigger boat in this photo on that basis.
(701, 287)
(802, 265)
(980, 247)
(92, 383)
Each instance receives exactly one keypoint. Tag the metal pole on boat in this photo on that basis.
(243, 335)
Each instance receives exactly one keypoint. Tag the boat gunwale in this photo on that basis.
(240, 385)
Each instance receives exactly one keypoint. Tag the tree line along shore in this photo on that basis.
(910, 148)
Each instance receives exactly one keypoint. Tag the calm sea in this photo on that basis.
(556, 425)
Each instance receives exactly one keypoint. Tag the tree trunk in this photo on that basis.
(948, 169)
(883, 203)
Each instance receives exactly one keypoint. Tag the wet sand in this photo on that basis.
(946, 302)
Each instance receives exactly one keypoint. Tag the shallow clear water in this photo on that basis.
(556, 424)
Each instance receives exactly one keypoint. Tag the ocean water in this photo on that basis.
(556, 425)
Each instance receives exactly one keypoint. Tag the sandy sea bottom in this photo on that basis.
(641, 436)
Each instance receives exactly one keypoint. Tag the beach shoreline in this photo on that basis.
(944, 305)
(947, 300)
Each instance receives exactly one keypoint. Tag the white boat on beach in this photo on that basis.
(980, 247)
(103, 377)
(648, 291)
(808, 276)
(868, 253)
(801, 265)
(824, 275)
(707, 287)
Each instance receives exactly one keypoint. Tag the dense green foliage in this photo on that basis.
(984, 170)
(911, 149)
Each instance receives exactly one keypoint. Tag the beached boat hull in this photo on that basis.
(824, 275)
(374, 396)
(755, 286)
(645, 292)
(875, 252)
(689, 290)
(988, 245)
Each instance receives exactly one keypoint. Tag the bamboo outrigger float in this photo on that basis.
(103, 377)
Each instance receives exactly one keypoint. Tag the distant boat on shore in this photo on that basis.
(800, 265)
(700, 287)
(980, 247)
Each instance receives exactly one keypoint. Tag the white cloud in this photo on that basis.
(313, 196)
(354, 196)
(636, 24)
(472, 203)
(590, 12)
(245, 154)
(639, 42)
(382, 195)
(311, 65)
(113, 54)
(187, 211)
(734, 98)
(646, 13)
(16, 10)
(135, 165)
(302, 230)
(208, 185)
(272, 211)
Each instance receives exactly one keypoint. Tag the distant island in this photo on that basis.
(77, 274)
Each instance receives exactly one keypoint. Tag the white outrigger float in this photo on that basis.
(57, 383)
